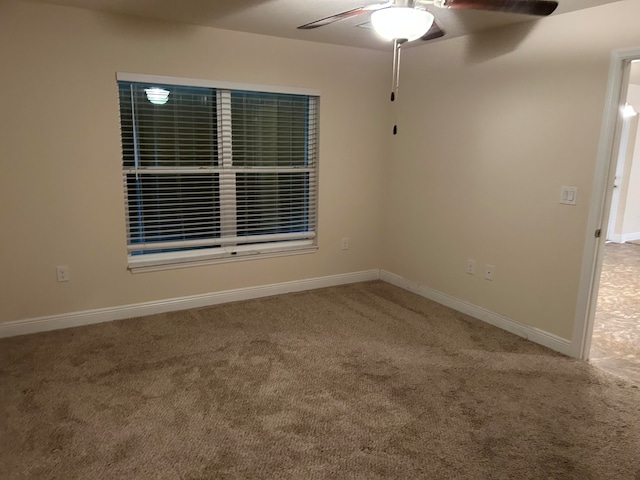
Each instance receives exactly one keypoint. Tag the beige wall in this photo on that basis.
(491, 126)
(61, 196)
(634, 76)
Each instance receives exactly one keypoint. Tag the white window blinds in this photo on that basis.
(215, 172)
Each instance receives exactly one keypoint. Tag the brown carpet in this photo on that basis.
(615, 344)
(364, 381)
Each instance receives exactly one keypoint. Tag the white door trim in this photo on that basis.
(601, 196)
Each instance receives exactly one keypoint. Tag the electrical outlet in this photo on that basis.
(63, 273)
(471, 267)
(489, 271)
(345, 243)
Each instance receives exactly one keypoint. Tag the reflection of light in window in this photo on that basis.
(157, 96)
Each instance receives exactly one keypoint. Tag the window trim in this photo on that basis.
(224, 254)
(302, 243)
(192, 82)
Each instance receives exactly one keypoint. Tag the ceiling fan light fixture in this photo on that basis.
(401, 23)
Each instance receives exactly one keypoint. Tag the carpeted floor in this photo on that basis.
(364, 381)
(615, 344)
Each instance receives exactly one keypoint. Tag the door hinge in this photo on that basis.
(598, 232)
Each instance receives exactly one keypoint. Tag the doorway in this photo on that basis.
(615, 342)
(608, 328)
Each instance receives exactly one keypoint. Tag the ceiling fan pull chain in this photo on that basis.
(397, 79)
(395, 83)
(394, 73)
(394, 79)
(397, 43)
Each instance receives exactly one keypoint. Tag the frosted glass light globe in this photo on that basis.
(401, 23)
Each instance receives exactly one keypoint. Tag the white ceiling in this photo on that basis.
(281, 17)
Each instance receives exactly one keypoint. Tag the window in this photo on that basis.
(216, 172)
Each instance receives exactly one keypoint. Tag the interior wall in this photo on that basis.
(490, 127)
(61, 193)
(631, 213)
(622, 173)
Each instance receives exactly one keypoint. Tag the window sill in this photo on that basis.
(178, 260)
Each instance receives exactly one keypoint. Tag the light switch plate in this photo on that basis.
(568, 195)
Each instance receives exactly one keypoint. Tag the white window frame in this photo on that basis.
(229, 251)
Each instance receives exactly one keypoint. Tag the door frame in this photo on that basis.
(601, 196)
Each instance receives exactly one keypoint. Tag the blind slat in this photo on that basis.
(225, 241)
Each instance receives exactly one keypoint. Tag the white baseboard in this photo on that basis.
(630, 237)
(536, 335)
(624, 237)
(88, 317)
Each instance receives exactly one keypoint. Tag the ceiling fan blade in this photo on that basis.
(341, 16)
(434, 32)
(529, 7)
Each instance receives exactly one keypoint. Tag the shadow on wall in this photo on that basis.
(488, 44)
(180, 14)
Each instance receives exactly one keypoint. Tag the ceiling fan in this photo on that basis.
(407, 20)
